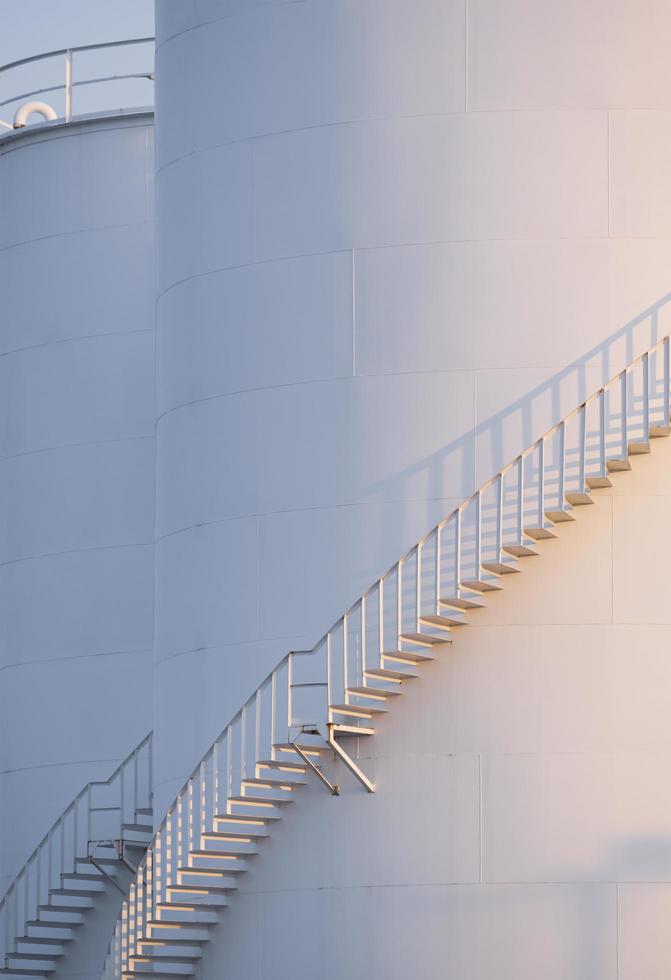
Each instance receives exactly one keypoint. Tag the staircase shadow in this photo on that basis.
(525, 419)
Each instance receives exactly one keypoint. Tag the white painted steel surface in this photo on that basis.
(397, 241)
(76, 464)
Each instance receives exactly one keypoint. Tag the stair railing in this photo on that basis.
(96, 815)
(406, 608)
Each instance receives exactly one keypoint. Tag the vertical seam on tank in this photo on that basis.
(475, 427)
(465, 55)
(608, 164)
(353, 313)
(617, 929)
(480, 810)
(612, 559)
(258, 577)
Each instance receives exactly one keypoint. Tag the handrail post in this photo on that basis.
(666, 382)
(541, 482)
(583, 448)
(520, 501)
(68, 85)
(623, 412)
(646, 397)
(562, 466)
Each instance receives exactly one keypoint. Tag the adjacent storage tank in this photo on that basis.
(76, 462)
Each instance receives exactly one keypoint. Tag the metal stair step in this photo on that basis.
(578, 499)
(63, 915)
(206, 877)
(183, 894)
(45, 930)
(173, 947)
(275, 774)
(32, 961)
(659, 432)
(519, 551)
(196, 915)
(286, 785)
(409, 657)
(284, 765)
(38, 944)
(460, 602)
(641, 448)
(381, 693)
(356, 710)
(424, 639)
(231, 863)
(539, 533)
(618, 465)
(559, 516)
(84, 884)
(481, 585)
(135, 974)
(446, 623)
(22, 974)
(83, 897)
(269, 798)
(223, 842)
(242, 827)
(341, 729)
(598, 482)
(388, 674)
(174, 965)
(500, 567)
(176, 930)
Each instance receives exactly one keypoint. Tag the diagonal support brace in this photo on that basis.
(333, 788)
(348, 760)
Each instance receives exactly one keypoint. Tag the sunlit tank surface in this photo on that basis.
(398, 239)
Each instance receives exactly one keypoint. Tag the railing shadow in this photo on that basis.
(492, 443)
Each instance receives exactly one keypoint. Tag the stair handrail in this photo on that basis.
(282, 705)
(32, 884)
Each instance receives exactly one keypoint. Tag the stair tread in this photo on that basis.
(500, 567)
(385, 673)
(424, 639)
(409, 656)
(442, 622)
(539, 533)
(341, 729)
(481, 585)
(598, 482)
(519, 550)
(578, 498)
(373, 692)
(460, 602)
(559, 516)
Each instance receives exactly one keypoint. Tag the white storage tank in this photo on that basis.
(397, 239)
(76, 462)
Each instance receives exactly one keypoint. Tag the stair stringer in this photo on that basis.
(338, 689)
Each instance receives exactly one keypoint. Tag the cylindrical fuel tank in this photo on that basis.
(76, 463)
(397, 240)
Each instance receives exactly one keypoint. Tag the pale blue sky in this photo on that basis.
(28, 27)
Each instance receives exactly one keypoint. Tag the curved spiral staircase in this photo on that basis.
(176, 884)
(315, 702)
(79, 871)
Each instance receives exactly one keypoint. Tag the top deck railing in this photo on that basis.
(14, 93)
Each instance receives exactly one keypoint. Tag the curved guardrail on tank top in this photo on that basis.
(390, 627)
(96, 819)
(26, 103)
